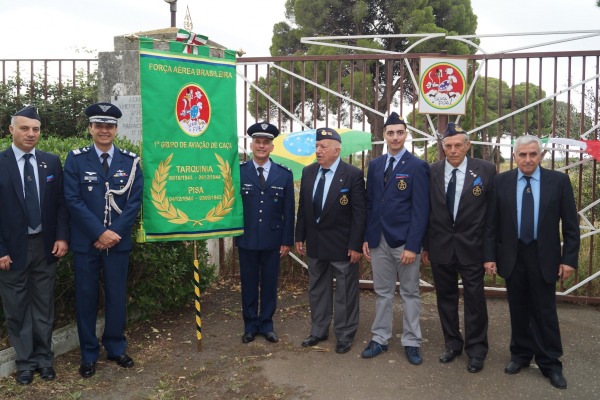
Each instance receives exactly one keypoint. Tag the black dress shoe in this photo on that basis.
(475, 364)
(449, 355)
(556, 379)
(271, 337)
(24, 377)
(123, 360)
(514, 367)
(343, 347)
(47, 373)
(312, 341)
(248, 337)
(87, 370)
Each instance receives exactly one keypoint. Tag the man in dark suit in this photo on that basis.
(268, 196)
(397, 210)
(34, 233)
(103, 190)
(331, 219)
(459, 193)
(532, 207)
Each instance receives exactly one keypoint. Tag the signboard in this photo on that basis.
(130, 124)
(442, 86)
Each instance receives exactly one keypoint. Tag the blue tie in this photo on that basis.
(389, 171)
(527, 213)
(261, 177)
(32, 202)
(105, 162)
(318, 198)
(451, 194)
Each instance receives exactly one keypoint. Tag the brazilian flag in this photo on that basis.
(296, 150)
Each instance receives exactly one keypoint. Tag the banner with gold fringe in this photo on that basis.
(189, 146)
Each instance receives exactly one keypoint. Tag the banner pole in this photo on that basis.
(197, 297)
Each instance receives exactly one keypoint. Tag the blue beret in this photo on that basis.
(263, 129)
(453, 129)
(28, 112)
(328, 133)
(394, 119)
(104, 113)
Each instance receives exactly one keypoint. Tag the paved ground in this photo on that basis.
(169, 367)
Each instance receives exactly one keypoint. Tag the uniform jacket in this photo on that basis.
(342, 222)
(268, 212)
(13, 218)
(557, 205)
(465, 236)
(85, 186)
(398, 209)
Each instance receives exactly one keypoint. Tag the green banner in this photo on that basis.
(189, 146)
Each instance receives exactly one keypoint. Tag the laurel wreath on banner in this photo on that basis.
(176, 216)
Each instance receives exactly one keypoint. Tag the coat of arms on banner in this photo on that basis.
(193, 110)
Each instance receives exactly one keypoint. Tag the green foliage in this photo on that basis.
(60, 105)
(161, 275)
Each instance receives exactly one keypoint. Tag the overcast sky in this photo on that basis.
(57, 28)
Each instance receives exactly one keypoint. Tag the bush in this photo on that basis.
(160, 274)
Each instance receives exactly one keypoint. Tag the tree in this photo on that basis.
(357, 17)
(60, 105)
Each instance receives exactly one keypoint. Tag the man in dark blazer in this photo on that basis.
(103, 190)
(267, 190)
(397, 210)
(459, 193)
(532, 208)
(331, 220)
(34, 233)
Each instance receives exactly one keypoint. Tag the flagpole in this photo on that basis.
(197, 297)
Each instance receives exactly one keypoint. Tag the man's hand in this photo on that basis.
(354, 256)
(425, 257)
(565, 271)
(60, 248)
(5, 262)
(367, 251)
(107, 240)
(490, 267)
(300, 248)
(284, 251)
(408, 257)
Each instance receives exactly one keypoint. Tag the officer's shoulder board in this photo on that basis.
(128, 153)
(82, 150)
(282, 166)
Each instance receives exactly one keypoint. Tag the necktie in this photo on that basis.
(451, 194)
(389, 170)
(318, 199)
(104, 162)
(527, 213)
(261, 177)
(32, 202)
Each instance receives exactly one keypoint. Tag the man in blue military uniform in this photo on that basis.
(103, 190)
(267, 190)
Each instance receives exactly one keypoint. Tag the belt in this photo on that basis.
(34, 235)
